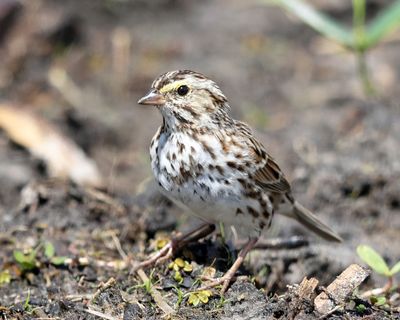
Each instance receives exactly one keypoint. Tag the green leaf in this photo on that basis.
(27, 306)
(395, 269)
(373, 259)
(178, 277)
(179, 262)
(19, 256)
(325, 25)
(378, 300)
(188, 267)
(58, 261)
(361, 308)
(26, 261)
(49, 250)
(203, 298)
(193, 299)
(386, 21)
(381, 300)
(5, 277)
(204, 295)
(147, 285)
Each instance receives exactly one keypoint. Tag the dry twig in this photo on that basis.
(306, 288)
(157, 297)
(103, 286)
(340, 289)
(63, 157)
(100, 314)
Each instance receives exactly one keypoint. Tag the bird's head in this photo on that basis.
(186, 98)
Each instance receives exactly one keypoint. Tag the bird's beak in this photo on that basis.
(152, 98)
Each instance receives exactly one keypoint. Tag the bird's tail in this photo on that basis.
(309, 220)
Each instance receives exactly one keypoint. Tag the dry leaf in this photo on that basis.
(64, 159)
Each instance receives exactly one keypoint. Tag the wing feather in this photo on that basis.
(266, 172)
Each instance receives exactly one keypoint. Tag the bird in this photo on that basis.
(213, 166)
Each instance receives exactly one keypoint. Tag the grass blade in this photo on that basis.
(359, 12)
(49, 250)
(318, 21)
(373, 259)
(385, 22)
(395, 269)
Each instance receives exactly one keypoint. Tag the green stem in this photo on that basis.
(363, 73)
(359, 12)
(388, 286)
(222, 230)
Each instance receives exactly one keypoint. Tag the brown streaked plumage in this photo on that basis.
(218, 170)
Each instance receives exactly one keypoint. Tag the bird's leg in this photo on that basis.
(227, 277)
(191, 236)
(293, 242)
(175, 244)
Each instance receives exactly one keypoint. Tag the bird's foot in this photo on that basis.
(160, 256)
(168, 251)
(225, 281)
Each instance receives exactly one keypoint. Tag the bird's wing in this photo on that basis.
(268, 174)
(266, 171)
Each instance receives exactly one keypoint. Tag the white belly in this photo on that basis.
(212, 195)
(217, 209)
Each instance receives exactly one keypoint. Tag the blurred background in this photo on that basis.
(74, 70)
(84, 64)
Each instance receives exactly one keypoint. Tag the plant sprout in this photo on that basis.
(195, 298)
(376, 262)
(359, 38)
(30, 261)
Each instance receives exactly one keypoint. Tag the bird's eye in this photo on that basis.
(183, 90)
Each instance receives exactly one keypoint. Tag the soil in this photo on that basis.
(300, 92)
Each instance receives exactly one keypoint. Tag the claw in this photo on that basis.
(164, 254)
(229, 275)
(167, 252)
(224, 281)
(167, 256)
(206, 278)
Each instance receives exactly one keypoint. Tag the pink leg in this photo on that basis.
(171, 247)
(227, 277)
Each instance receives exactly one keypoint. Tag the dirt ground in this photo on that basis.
(300, 92)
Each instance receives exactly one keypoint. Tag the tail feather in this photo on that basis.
(309, 220)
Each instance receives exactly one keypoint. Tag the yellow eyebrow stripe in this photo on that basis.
(172, 86)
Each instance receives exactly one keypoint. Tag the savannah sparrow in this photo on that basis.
(213, 166)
